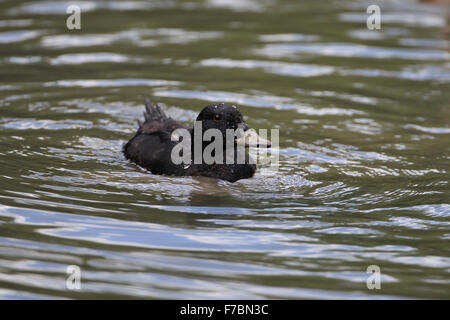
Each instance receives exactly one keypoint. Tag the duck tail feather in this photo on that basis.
(159, 111)
(154, 118)
(153, 111)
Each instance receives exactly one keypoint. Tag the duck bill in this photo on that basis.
(251, 139)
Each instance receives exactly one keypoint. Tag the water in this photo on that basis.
(364, 150)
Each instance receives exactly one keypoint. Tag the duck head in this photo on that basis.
(225, 116)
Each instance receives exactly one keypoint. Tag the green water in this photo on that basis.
(364, 150)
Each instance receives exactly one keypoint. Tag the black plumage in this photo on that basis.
(152, 145)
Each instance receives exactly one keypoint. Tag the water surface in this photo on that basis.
(364, 150)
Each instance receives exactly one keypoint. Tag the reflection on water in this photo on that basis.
(350, 50)
(363, 177)
(136, 36)
(281, 68)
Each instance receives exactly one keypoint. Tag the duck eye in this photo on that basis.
(216, 118)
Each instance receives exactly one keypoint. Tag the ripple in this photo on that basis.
(336, 154)
(409, 223)
(201, 210)
(8, 87)
(262, 100)
(91, 83)
(303, 155)
(19, 36)
(16, 23)
(425, 261)
(312, 111)
(427, 129)
(34, 124)
(239, 5)
(124, 110)
(433, 210)
(414, 19)
(138, 37)
(288, 37)
(349, 230)
(7, 100)
(146, 235)
(275, 225)
(15, 294)
(433, 43)
(350, 50)
(22, 60)
(67, 41)
(97, 57)
(60, 7)
(414, 73)
(144, 274)
(274, 67)
(344, 96)
(366, 34)
(364, 126)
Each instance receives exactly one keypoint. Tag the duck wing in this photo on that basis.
(155, 120)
